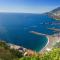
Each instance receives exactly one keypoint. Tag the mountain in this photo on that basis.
(56, 10)
(55, 13)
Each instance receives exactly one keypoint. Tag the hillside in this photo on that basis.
(55, 13)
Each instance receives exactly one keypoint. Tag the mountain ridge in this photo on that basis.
(55, 13)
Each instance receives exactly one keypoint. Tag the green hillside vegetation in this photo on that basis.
(54, 54)
(8, 54)
(11, 54)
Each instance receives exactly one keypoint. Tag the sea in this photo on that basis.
(15, 29)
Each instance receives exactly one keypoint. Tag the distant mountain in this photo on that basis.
(55, 13)
(56, 10)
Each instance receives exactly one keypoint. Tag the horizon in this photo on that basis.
(25, 6)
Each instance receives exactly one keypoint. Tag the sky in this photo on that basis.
(28, 6)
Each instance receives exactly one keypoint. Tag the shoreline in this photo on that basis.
(46, 44)
(52, 40)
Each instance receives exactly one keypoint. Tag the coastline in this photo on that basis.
(51, 41)
(56, 18)
(46, 44)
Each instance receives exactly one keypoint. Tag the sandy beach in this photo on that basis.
(52, 40)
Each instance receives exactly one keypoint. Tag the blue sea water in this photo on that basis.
(15, 28)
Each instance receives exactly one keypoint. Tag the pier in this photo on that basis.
(57, 30)
(37, 33)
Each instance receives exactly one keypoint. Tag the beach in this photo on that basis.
(51, 41)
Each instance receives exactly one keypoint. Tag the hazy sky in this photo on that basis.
(28, 6)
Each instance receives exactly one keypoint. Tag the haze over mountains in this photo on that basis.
(55, 13)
